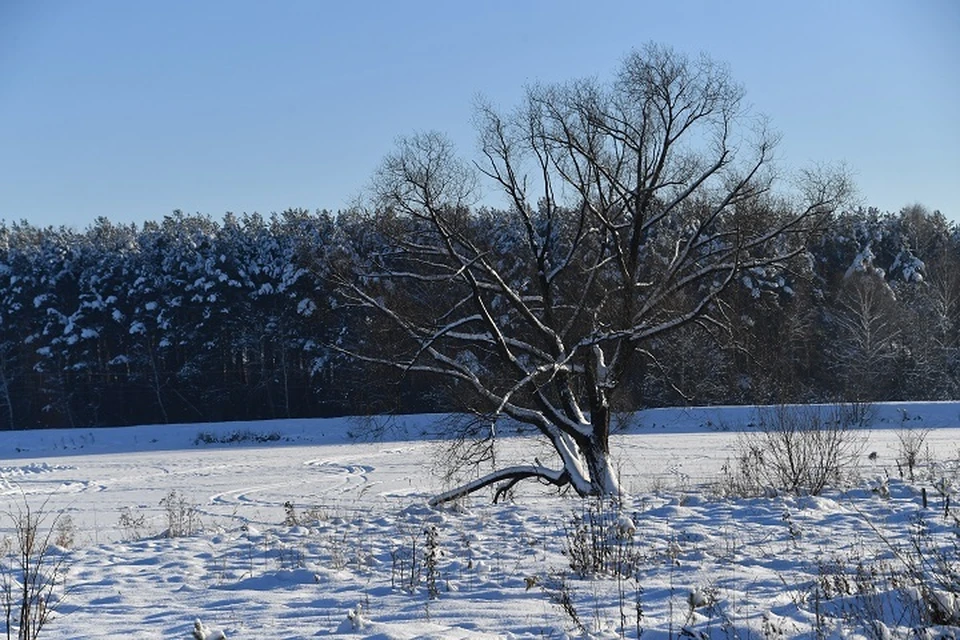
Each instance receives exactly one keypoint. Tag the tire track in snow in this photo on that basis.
(323, 476)
(38, 477)
(349, 475)
(243, 496)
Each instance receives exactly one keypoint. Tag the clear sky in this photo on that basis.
(129, 109)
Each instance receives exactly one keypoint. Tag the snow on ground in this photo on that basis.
(357, 552)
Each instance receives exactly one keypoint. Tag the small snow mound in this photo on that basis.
(282, 579)
(417, 511)
(819, 503)
(203, 632)
(356, 620)
(698, 598)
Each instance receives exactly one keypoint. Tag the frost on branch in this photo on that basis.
(631, 207)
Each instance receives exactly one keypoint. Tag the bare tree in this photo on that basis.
(633, 204)
(867, 335)
(932, 308)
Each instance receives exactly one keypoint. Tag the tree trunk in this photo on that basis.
(596, 454)
(5, 392)
(596, 447)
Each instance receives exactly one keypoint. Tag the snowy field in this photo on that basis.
(357, 552)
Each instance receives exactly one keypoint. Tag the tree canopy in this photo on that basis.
(634, 206)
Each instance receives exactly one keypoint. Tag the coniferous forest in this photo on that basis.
(197, 319)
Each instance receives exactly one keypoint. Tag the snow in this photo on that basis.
(863, 262)
(306, 307)
(349, 560)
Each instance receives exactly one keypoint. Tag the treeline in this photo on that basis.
(194, 319)
(187, 319)
(871, 312)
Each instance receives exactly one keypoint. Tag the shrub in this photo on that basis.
(916, 587)
(132, 523)
(933, 564)
(418, 562)
(911, 443)
(245, 435)
(795, 449)
(600, 541)
(183, 519)
(30, 570)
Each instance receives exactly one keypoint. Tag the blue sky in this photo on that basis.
(130, 109)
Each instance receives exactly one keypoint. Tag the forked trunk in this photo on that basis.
(603, 478)
(588, 470)
(596, 453)
(595, 448)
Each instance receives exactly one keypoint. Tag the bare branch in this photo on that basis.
(510, 474)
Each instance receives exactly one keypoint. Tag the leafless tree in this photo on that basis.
(932, 308)
(867, 336)
(632, 205)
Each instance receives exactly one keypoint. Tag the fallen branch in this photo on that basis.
(512, 475)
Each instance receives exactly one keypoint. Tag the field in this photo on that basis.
(306, 528)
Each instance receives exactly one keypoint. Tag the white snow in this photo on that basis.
(351, 561)
(306, 307)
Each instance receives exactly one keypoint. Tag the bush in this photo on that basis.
(246, 435)
(799, 450)
(916, 587)
(31, 568)
(132, 523)
(183, 519)
(600, 541)
(911, 443)
(418, 563)
(933, 564)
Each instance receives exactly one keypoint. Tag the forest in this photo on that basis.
(196, 319)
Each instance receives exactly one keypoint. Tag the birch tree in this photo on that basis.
(868, 337)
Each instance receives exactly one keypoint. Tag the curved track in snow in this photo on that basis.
(251, 484)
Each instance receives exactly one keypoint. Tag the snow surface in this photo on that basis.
(708, 566)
